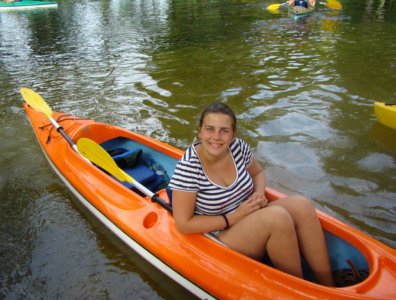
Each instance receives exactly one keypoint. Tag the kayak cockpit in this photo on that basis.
(138, 161)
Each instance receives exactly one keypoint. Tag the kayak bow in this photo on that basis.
(386, 114)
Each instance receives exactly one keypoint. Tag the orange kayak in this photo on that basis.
(197, 262)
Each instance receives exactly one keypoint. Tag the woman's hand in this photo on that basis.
(255, 202)
(258, 198)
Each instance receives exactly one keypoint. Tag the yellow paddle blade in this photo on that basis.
(99, 156)
(273, 6)
(333, 4)
(35, 101)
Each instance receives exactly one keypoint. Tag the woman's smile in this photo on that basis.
(216, 133)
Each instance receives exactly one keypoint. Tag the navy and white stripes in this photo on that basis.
(213, 199)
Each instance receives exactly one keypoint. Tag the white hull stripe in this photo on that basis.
(16, 7)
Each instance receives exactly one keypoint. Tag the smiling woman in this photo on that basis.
(218, 178)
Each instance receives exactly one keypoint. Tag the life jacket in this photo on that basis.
(303, 3)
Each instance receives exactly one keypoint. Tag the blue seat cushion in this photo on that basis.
(154, 184)
(141, 173)
(131, 162)
(126, 158)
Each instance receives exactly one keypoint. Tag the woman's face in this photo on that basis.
(216, 133)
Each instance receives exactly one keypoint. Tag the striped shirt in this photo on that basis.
(212, 199)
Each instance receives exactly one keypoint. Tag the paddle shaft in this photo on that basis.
(67, 138)
(160, 201)
(154, 197)
(63, 133)
(283, 4)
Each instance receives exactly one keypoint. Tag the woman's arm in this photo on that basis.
(258, 176)
(186, 222)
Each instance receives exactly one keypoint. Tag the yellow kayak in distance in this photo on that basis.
(386, 113)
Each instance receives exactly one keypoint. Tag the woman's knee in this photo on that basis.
(303, 212)
(278, 218)
(301, 200)
(302, 205)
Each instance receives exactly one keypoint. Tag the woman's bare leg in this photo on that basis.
(269, 229)
(310, 236)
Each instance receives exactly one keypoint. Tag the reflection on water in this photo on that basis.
(303, 92)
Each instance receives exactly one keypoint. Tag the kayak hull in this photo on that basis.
(202, 265)
(386, 114)
(21, 5)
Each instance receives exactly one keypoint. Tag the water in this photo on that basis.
(303, 92)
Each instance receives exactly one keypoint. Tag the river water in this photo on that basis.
(303, 92)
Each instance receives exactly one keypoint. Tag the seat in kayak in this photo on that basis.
(130, 161)
(126, 158)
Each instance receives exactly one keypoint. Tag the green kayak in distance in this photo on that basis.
(297, 12)
(25, 4)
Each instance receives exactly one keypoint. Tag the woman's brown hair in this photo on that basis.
(218, 108)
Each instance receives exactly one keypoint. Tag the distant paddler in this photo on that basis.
(302, 3)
